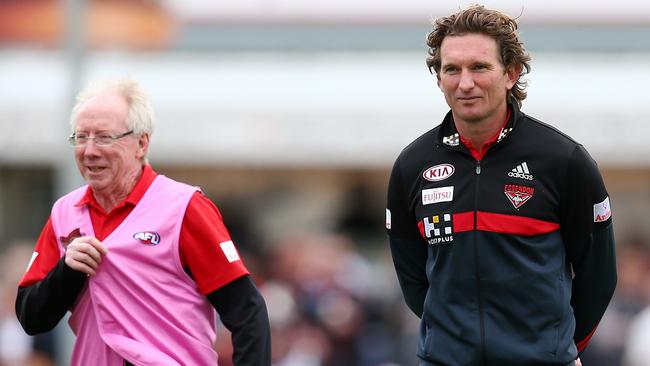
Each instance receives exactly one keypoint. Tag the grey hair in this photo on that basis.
(140, 117)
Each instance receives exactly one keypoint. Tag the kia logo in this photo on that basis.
(438, 172)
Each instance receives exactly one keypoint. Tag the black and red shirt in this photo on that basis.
(486, 250)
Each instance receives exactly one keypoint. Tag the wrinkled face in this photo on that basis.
(472, 77)
(107, 169)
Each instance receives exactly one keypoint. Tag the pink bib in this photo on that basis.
(141, 305)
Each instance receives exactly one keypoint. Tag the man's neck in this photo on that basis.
(108, 200)
(480, 132)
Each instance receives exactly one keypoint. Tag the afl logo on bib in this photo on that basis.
(438, 172)
(147, 237)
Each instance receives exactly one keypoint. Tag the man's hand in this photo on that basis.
(84, 254)
(578, 363)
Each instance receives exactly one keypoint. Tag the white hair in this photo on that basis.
(140, 118)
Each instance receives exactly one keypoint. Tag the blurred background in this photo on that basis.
(289, 115)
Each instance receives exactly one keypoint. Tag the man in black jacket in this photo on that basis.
(500, 225)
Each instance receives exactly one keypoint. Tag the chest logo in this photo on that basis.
(518, 195)
(439, 172)
(147, 237)
(521, 171)
(436, 195)
(437, 229)
(65, 240)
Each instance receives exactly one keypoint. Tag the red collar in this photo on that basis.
(478, 154)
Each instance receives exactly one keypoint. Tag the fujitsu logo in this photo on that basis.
(437, 195)
(439, 172)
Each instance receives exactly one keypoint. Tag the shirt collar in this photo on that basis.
(448, 134)
(491, 141)
(145, 180)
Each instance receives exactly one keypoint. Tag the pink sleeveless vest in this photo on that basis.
(141, 305)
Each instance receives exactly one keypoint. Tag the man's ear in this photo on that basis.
(513, 72)
(143, 146)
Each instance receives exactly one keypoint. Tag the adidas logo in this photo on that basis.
(521, 171)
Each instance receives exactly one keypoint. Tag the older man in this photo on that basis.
(500, 226)
(140, 260)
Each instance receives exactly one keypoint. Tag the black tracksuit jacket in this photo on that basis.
(508, 260)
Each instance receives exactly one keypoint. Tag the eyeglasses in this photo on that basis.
(103, 139)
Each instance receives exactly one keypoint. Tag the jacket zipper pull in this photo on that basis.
(478, 167)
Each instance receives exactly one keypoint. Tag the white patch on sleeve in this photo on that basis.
(229, 250)
(388, 223)
(31, 261)
(602, 211)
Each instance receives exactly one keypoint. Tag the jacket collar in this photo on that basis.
(448, 134)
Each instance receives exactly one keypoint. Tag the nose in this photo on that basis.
(466, 81)
(90, 148)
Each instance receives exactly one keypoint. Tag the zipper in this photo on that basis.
(476, 263)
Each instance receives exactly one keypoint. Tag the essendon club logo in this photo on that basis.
(518, 195)
(147, 237)
(438, 172)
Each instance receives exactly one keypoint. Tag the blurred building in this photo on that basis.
(289, 114)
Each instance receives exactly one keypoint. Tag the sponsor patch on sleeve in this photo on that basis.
(229, 250)
(602, 211)
(388, 223)
(31, 261)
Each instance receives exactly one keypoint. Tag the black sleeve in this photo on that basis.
(587, 231)
(243, 311)
(408, 249)
(41, 306)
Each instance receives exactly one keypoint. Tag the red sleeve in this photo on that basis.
(206, 247)
(46, 255)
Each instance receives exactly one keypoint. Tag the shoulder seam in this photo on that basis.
(550, 127)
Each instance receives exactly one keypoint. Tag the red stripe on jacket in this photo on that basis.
(502, 223)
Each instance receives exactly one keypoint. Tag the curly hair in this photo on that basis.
(492, 23)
